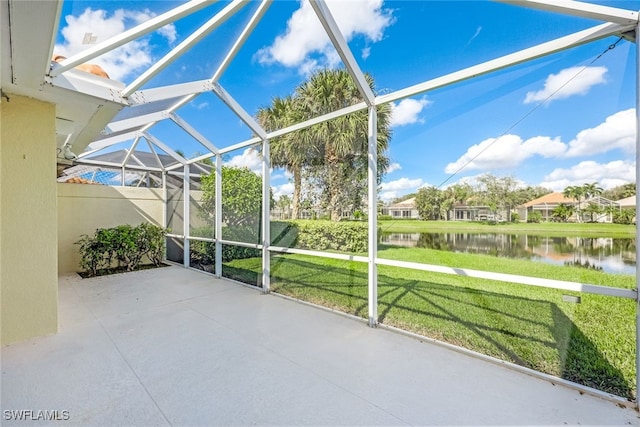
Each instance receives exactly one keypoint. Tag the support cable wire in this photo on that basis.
(530, 112)
(526, 115)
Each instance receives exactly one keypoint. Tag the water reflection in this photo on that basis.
(612, 255)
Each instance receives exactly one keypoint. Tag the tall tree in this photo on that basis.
(291, 151)
(429, 203)
(498, 192)
(343, 141)
(241, 196)
(591, 190)
(620, 192)
(575, 192)
(456, 194)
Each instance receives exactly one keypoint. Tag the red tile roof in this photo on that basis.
(550, 199)
(77, 180)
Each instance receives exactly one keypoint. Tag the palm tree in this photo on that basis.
(342, 142)
(288, 151)
(592, 190)
(576, 193)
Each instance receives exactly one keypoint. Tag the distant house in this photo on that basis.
(547, 203)
(627, 203)
(402, 210)
(463, 212)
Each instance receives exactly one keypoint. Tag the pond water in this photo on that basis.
(612, 255)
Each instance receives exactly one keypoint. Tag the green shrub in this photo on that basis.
(125, 244)
(515, 217)
(624, 216)
(155, 237)
(92, 254)
(203, 254)
(347, 236)
(385, 217)
(534, 217)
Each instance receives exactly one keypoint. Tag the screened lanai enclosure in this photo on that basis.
(274, 130)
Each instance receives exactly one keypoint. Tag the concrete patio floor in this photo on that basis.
(176, 347)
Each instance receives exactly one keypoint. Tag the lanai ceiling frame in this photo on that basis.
(188, 91)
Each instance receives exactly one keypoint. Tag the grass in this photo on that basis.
(591, 343)
(541, 229)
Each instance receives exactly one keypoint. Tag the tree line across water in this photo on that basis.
(505, 193)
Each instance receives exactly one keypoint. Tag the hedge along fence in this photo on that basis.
(345, 236)
(125, 244)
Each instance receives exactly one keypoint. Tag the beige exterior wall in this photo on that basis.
(83, 208)
(28, 220)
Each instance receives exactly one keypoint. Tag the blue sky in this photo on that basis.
(499, 123)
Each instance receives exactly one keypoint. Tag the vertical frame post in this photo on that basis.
(266, 210)
(165, 206)
(218, 216)
(372, 181)
(165, 196)
(122, 180)
(637, 212)
(186, 195)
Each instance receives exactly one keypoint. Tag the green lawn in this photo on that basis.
(591, 343)
(544, 229)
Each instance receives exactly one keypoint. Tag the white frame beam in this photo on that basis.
(194, 133)
(218, 217)
(161, 145)
(186, 196)
(246, 32)
(372, 182)
(239, 111)
(185, 45)
(137, 122)
(531, 53)
(340, 44)
(191, 89)
(103, 143)
(637, 210)
(266, 217)
(581, 9)
(132, 34)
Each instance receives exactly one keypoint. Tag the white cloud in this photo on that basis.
(387, 196)
(408, 111)
(394, 167)
(506, 152)
(305, 37)
(607, 175)
(282, 190)
(617, 131)
(401, 184)
(476, 34)
(393, 189)
(249, 158)
(583, 79)
(122, 61)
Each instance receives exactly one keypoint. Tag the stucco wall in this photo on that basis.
(84, 208)
(28, 222)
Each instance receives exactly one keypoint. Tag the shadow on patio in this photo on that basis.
(177, 347)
